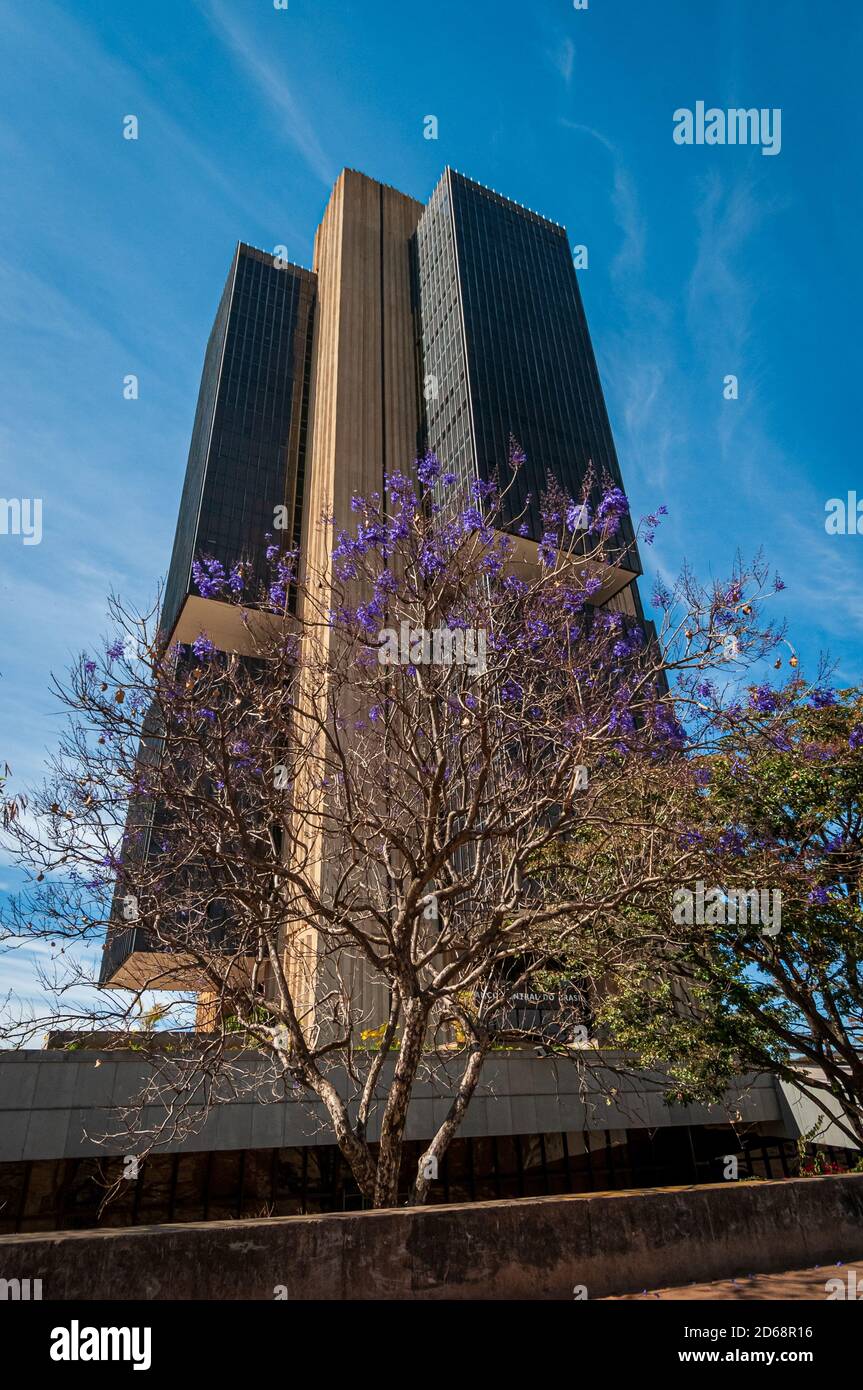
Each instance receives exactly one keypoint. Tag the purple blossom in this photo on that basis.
(537, 627)
(401, 491)
(286, 567)
(116, 649)
(513, 585)
(823, 699)
(548, 548)
(816, 753)
(661, 598)
(517, 456)
(369, 616)
(621, 721)
(629, 645)
(732, 840)
(203, 647)
(572, 601)
(690, 838)
(763, 699)
(472, 519)
(611, 509)
(431, 561)
(668, 728)
(855, 738)
(493, 564)
(386, 583)
(428, 469)
(480, 490)
(348, 549)
(209, 577)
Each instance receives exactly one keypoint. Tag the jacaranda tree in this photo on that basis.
(436, 767)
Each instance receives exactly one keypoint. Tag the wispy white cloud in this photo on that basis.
(67, 48)
(720, 465)
(624, 202)
(273, 86)
(720, 295)
(563, 58)
(823, 571)
(639, 365)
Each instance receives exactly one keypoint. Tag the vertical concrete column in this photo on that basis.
(364, 413)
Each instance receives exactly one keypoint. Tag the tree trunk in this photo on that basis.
(434, 1154)
(395, 1115)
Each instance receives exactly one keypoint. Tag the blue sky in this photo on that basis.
(703, 261)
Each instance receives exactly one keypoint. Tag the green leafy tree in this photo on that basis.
(780, 817)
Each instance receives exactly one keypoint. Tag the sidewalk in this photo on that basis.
(791, 1287)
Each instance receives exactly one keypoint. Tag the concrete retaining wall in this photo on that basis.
(536, 1248)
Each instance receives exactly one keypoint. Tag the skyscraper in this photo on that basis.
(453, 327)
(506, 351)
(249, 442)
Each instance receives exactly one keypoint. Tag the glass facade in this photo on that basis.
(248, 448)
(247, 456)
(233, 1184)
(506, 349)
(446, 387)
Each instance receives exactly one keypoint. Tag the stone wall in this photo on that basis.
(536, 1248)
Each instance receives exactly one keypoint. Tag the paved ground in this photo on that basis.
(791, 1287)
